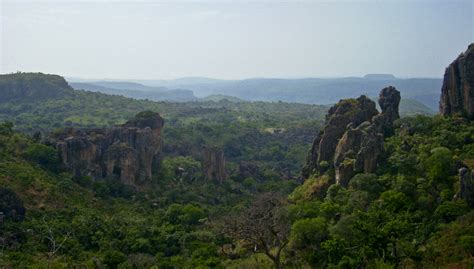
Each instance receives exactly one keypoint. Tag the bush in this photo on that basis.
(306, 232)
(439, 165)
(449, 211)
(113, 258)
(43, 155)
(184, 214)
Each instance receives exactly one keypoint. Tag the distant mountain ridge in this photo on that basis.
(307, 90)
(380, 76)
(136, 90)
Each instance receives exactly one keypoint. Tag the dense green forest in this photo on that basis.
(402, 216)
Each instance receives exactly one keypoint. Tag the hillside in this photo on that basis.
(137, 91)
(30, 87)
(227, 167)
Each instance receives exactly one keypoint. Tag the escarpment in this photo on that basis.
(129, 153)
(457, 92)
(352, 139)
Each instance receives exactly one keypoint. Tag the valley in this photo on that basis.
(91, 180)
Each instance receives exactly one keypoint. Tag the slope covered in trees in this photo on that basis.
(407, 213)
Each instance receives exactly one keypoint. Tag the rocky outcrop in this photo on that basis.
(129, 152)
(213, 164)
(352, 140)
(345, 112)
(466, 186)
(457, 92)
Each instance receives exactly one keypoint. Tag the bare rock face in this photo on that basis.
(389, 100)
(357, 146)
(213, 164)
(466, 184)
(457, 92)
(128, 152)
(345, 112)
(358, 151)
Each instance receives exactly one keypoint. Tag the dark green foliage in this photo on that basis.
(10, 205)
(113, 258)
(43, 155)
(403, 216)
(186, 215)
(400, 216)
(449, 211)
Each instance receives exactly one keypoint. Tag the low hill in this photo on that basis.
(23, 87)
(137, 91)
(220, 97)
(380, 76)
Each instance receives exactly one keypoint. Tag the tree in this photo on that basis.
(55, 242)
(439, 166)
(263, 226)
(45, 156)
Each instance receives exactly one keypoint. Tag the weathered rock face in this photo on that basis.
(213, 164)
(466, 186)
(356, 146)
(457, 92)
(389, 100)
(348, 111)
(128, 152)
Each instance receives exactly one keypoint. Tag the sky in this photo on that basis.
(233, 39)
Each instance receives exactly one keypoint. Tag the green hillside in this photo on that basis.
(403, 216)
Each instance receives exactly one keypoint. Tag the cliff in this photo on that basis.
(352, 139)
(457, 92)
(129, 153)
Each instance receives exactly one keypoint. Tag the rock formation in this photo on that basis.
(352, 139)
(128, 152)
(345, 112)
(213, 164)
(466, 186)
(457, 92)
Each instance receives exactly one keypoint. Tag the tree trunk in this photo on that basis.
(277, 263)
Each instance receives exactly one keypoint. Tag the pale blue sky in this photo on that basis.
(228, 39)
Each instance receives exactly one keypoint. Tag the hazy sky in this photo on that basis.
(233, 39)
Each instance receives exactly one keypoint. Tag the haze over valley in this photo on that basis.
(237, 134)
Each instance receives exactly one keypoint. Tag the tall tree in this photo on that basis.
(263, 226)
